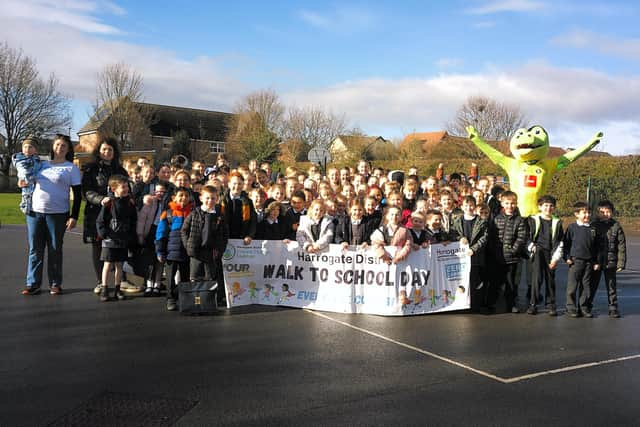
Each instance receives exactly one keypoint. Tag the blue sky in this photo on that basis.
(390, 67)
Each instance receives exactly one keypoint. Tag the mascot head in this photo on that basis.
(530, 144)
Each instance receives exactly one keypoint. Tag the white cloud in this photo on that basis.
(343, 19)
(500, 6)
(76, 55)
(554, 97)
(571, 103)
(70, 13)
(624, 48)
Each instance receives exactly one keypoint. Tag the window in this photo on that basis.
(216, 147)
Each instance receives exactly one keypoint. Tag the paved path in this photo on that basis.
(70, 359)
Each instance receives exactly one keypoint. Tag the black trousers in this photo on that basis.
(173, 267)
(202, 270)
(610, 281)
(504, 282)
(540, 272)
(579, 285)
(478, 296)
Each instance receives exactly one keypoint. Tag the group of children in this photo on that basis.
(178, 222)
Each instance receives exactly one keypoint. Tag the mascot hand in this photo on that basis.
(473, 133)
(596, 139)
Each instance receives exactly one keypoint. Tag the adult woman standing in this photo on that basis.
(95, 178)
(49, 217)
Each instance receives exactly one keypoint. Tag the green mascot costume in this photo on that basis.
(530, 171)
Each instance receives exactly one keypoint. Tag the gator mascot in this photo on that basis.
(530, 171)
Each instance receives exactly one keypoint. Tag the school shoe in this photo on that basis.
(156, 292)
(515, 310)
(614, 313)
(587, 313)
(148, 292)
(55, 290)
(119, 295)
(31, 290)
(573, 313)
(532, 310)
(104, 294)
(98, 289)
(552, 311)
(171, 304)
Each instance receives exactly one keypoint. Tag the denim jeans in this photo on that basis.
(45, 230)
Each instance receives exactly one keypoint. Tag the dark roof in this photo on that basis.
(166, 120)
(199, 124)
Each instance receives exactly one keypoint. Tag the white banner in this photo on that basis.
(269, 272)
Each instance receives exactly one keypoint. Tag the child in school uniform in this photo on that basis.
(392, 233)
(508, 235)
(116, 224)
(147, 225)
(545, 246)
(315, 232)
(353, 230)
(169, 246)
(204, 237)
(581, 251)
(614, 255)
(472, 231)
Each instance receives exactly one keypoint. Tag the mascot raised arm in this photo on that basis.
(530, 170)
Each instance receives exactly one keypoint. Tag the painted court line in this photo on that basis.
(410, 347)
(474, 370)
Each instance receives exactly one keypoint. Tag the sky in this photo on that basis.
(391, 67)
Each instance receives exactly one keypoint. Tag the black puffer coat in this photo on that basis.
(508, 237)
(95, 179)
(615, 244)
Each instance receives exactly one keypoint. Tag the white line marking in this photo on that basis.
(474, 370)
(569, 368)
(410, 347)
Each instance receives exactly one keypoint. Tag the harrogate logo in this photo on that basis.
(229, 253)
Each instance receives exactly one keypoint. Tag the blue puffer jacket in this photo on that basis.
(168, 238)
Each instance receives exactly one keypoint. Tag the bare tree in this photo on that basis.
(493, 120)
(267, 105)
(311, 127)
(254, 128)
(28, 103)
(119, 92)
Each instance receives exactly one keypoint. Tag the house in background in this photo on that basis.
(205, 129)
(363, 146)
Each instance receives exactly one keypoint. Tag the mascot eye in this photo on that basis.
(537, 131)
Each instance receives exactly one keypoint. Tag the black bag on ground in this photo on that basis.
(198, 297)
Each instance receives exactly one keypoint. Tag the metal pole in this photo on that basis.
(589, 190)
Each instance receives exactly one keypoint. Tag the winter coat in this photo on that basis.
(343, 232)
(95, 180)
(292, 222)
(241, 224)
(117, 222)
(168, 235)
(194, 228)
(479, 237)
(146, 217)
(508, 237)
(614, 244)
(304, 235)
